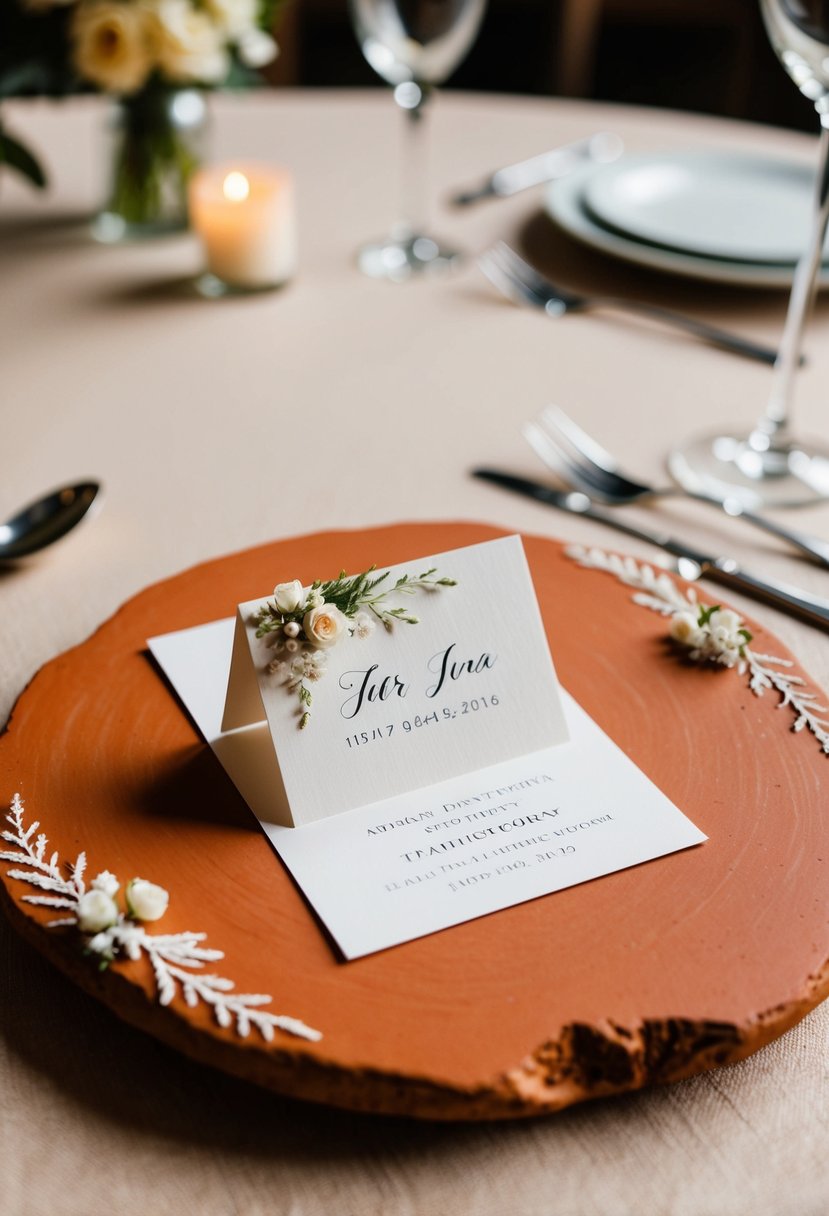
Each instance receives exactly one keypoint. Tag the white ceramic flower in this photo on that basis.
(113, 45)
(96, 911)
(289, 597)
(146, 900)
(107, 883)
(190, 45)
(685, 629)
(325, 625)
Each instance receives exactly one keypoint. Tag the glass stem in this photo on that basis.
(771, 432)
(412, 99)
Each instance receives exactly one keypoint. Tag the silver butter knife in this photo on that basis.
(690, 563)
(601, 148)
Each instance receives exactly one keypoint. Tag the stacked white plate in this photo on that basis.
(722, 216)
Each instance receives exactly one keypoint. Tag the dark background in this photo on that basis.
(711, 56)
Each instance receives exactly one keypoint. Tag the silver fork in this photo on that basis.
(581, 462)
(524, 285)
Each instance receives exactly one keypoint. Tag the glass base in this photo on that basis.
(109, 228)
(213, 288)
(727, 466)
(404, 257)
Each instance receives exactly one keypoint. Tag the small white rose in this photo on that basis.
(314, 599)
(107, 883)
(289, 597)
(325, 625)
(96, 911)
(292, 630)
(146, 900)
(685, 629)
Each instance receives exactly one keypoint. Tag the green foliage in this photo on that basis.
(18, 157)
(350, 594)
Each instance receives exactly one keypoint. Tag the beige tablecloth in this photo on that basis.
(345, 402)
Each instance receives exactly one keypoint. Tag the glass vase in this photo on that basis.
(157, 142)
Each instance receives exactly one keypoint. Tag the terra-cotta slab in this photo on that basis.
(648, 975)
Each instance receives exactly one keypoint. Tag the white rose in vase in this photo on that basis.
(190, 46)
(234, 17)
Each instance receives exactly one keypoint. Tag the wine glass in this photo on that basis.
(413, 45)
(769, 465)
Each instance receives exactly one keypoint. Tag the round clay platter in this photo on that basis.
(643, 976)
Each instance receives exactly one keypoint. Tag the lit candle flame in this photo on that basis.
(236, 187)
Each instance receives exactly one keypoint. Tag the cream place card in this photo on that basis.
(425, 671)
(442, 773)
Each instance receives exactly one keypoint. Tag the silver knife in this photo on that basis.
(602, 148)
(690, 564)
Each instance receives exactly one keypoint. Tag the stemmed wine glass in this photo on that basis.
(769, 465)
(413, 45)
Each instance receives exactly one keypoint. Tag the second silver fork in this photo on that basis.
(580, 462)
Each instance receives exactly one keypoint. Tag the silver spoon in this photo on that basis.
(47, 520)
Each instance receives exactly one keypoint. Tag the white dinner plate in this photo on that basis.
(738, 206)
(563, 202)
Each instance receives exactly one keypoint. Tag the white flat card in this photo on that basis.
(447, 852)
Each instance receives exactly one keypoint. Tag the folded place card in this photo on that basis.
(454, 674)
(436, 769)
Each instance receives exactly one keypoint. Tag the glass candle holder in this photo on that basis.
(245, 217)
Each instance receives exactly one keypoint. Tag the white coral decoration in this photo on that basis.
(712, 634)
(176, 959)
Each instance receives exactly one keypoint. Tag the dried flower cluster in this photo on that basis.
(713, 634)
(303, 623)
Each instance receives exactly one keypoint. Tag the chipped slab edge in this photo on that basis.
(585, 1062)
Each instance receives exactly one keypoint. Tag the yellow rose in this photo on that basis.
(113, 45)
